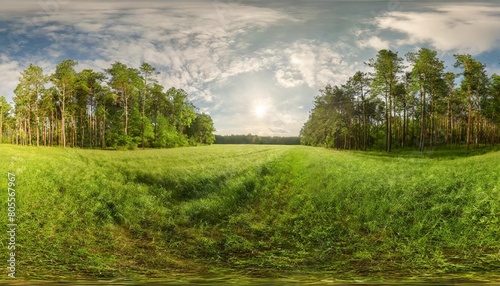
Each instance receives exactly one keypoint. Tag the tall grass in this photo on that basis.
(253, 209)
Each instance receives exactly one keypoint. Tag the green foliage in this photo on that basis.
(268, 209)
(421, 109)
(28, 92)
(167, 135)
(255, 139)
(123, 107)
(202, 130)
(492, 108)
(4, 117)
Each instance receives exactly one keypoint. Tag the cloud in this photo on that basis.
(313, 63)
(10, 71)
(289, 78)
(192, 43)
(374, 43)
(455, 28)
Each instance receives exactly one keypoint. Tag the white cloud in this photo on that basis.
(312, 63)
(288, 79)
(456, 28)
(303, 59)
(375, 43)
(10, 71)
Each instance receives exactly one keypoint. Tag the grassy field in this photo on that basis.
(253, 210)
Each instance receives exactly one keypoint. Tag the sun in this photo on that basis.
(261, 110)
(260, 107)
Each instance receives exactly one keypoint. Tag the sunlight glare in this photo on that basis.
(260, 111)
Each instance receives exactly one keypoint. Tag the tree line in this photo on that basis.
(420, 106)
(120, 106)
(256, 139)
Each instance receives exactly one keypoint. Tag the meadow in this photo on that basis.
(253, 210)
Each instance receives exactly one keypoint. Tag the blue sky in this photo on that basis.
(254, 66)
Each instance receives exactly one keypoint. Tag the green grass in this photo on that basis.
(253, 210)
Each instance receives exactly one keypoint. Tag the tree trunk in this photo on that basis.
(478, 120)
(73, 132)
(448, 123)
(82, 128)
(143, 111)
(433, 121)
(422, 126)
(28, 128)
(103, 131)
(126, 113)
(51, 129)
(364, 122)
(389, 145)
(403, 132)
(388, 107)
(63, 127)
(37, 131)
(44, 133)
(469, 119)
(27, 134)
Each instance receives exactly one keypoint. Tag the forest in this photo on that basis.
(256, 139)
(121, 107)
(413, 107)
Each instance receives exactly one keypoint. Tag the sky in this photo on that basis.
(255, 66)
